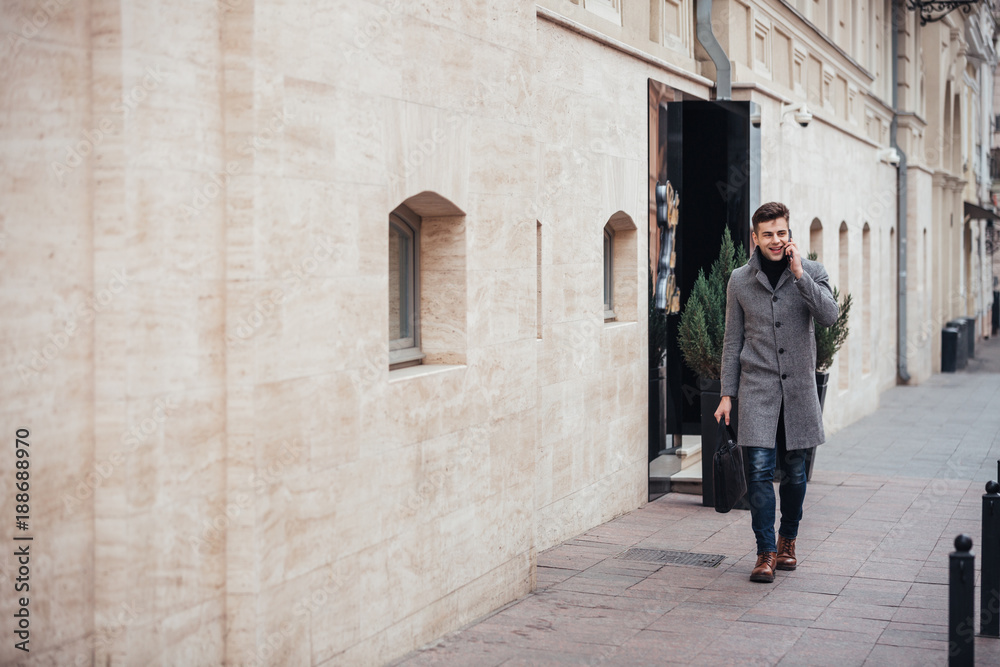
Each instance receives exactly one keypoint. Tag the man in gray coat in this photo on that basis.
(769, 363)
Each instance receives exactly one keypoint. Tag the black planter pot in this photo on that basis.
(710, 397)
(822, 381)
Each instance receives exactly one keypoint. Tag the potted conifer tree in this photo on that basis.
(700, 336)
(829, 340)
(703, 320)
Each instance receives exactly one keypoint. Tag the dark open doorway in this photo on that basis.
(707, 155)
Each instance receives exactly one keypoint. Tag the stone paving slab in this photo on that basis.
(888, 496)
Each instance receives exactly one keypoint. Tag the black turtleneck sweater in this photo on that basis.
(773, 270)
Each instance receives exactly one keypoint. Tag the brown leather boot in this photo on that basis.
(786, 554)
(763, 571)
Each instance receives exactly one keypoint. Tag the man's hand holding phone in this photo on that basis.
(794, 258)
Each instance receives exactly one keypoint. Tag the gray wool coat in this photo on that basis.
(769, 352)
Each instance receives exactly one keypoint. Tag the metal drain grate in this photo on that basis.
(671, 557)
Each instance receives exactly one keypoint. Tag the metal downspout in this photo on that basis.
(706, 35)
(901, 213)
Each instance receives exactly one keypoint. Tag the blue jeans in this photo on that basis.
(760, 489)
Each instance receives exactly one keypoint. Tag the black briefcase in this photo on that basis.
(727, 467)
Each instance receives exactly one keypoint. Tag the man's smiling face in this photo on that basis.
(771, 236)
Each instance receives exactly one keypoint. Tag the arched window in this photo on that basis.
(843, 273)
(956, 137)
(621, 269)
(892, 293)
(922, 101)
(866, 299)
(945, 160)
(404, 253)
(925, 272)
(427, 282)
(816, 239)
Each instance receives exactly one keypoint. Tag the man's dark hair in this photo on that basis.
(772, 210)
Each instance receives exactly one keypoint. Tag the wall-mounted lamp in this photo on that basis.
(889, 156)
(802, 114)
(935, 10)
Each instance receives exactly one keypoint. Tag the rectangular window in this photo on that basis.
(609, 274)
(404, 244)
(671, 20)
(607, 9)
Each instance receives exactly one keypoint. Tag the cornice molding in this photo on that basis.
(910, 119)
(754, 86)
(584, 31)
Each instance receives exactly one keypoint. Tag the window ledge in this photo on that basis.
(404, 355)
(422, 370)
(619, 325)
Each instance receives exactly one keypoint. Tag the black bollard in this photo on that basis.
(989, 601)
(961, 587)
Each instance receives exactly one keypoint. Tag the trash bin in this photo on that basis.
(961, 347)
(996, 312)
(949, 349)
(970, 339)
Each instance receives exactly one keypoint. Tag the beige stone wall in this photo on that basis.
(51, 290)
(592, 157)
(244, 479)
(118, 122)
(408, 511)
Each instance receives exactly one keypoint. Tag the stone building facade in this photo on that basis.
(236, 457)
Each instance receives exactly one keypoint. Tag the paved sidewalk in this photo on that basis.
(888, 496)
